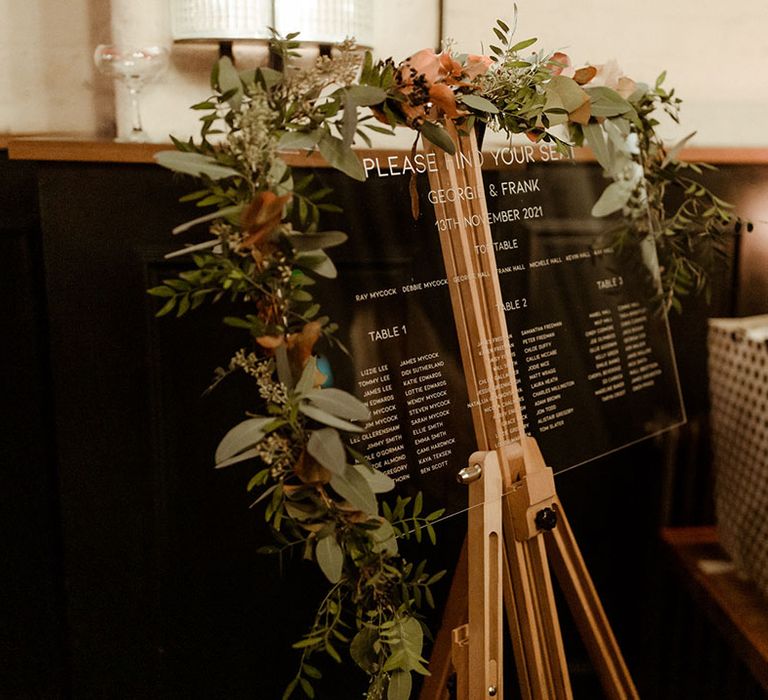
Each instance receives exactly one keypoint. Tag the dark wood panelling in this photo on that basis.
(165, 595)
(32, 657)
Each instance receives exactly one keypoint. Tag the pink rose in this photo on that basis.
(611, 76)
(476, 65)
(425, 62)
(560, 63)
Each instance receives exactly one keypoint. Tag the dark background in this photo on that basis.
(129, 566)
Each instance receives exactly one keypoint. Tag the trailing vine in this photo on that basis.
(267, 248)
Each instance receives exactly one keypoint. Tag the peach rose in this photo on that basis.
(476, 66)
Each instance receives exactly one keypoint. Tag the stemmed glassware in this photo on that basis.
(134, 66)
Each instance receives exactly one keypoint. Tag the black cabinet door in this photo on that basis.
(166, 594)
(32, 660)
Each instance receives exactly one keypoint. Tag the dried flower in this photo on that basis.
(276, 452)
(262, 216)
(252, 138)
(339, 69)
(428, 79)
(263, 372)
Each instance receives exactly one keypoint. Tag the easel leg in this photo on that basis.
(460, 657)
(529, 600)
(587, 610)
(485, 548)
(533, 622)
(454, 616)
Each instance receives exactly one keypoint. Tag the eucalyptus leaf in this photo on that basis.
(241, 437)
(300, 511)
(673, 152)
(193, 248)
(326, 447)
(523, 44)
(341, 157)
(194, 164)
(597, 142)
(271, 76)
(307, 379)
(354, 97)
(303, 242)
(355, 489)
(248, 76)
(297, 140)
(437, 135)
(607, 102)
(480, 103)
(613, 198)
(339, 403)
(328, 419)
(365, 95)
(229, 79)
(564, 92)
(378, 481)
(224, 213)
(563, 96)
(284, 373)
(318, 262)
(248, 454)
(384, 538)
(361, 649)
(349, 124)
(406, 639)
(330, 558)
(277, 176)
(399, 687)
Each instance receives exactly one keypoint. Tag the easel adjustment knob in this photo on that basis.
(469, 474)
(546, 519)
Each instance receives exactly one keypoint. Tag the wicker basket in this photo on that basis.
(738, 380)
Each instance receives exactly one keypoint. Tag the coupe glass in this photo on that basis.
(134, 66)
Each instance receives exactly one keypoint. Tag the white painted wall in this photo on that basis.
(46, 71)
(165, 103)
(715, 54)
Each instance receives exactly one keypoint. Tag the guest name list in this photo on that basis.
(593, 363)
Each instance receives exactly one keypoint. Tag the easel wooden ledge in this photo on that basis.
(516, 522)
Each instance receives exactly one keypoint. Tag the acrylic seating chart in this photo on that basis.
(595, 366)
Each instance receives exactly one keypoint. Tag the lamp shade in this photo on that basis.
(317, 21)
(221, 20)
(326, 21)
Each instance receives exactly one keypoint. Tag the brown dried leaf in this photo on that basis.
(310, 471)
(583, 75)
(581, 115)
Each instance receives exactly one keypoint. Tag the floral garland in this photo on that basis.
(266, 247)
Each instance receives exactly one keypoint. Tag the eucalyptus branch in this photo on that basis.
(266, 250)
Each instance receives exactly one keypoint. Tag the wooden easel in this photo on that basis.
(515, 518)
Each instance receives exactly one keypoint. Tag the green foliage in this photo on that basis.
(371, 612)
(266, 248)
(691, 238)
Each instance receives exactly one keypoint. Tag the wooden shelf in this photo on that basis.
(84, 149)
(88, 150)
(735, 605)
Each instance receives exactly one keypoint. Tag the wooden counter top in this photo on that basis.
(104, 150)
(74, 149)
(56, 148)
(735, 605)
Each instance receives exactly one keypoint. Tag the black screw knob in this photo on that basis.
(546, 519)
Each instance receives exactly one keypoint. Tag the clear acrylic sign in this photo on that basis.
(594, 363)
